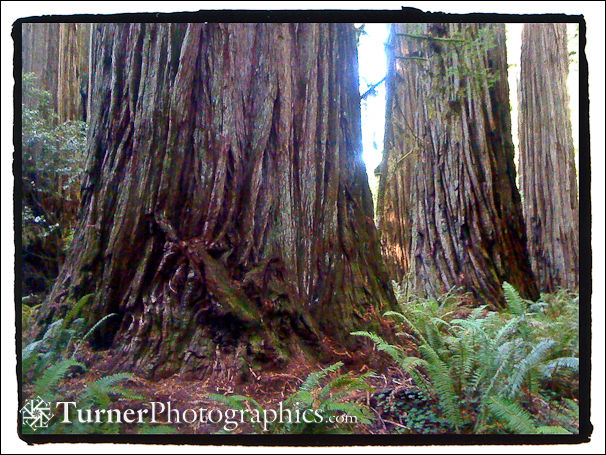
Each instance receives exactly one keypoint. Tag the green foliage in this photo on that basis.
(101, 391)
(76, 309)
(62, 337)
(316, 396)
(28, 313)
(47, 362)
(483, 368)
(52, 164)
(518, 420)
(99, 394)
(414, 409)
(157, 429)
(515, 304)
(38, 355)
(46, 385)
(457, 62)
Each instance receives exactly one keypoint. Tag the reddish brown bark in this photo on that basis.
(449, 210)
(548, 176)
(226, 210)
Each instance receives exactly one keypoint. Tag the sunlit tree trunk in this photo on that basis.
(449, 210)
(548, 176)
(72, 83)
(227, 217)
(58, 55)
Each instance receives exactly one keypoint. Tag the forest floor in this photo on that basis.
(268, 388)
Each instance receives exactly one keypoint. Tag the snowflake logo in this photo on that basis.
(36, 413)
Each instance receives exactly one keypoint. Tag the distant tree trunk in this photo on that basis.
(547, 169)
(58, 55)
(40, 55)
(449, 210)
(73, 71)
(227, 216)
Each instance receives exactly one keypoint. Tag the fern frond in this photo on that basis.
(512, 415)
(127, 393)
(106, 382)
(52, 330)
(98, 392)
(571, 363)
(312, 381)
(27, 353)
(408, 322)
(396, 352)
(76, 309)
(343, 385)
(235, 401)
(51, 377)
(537, 307)
(301, 398)
(500, 367)
(437, 321)
(515, 304)
(537, 355)
(507, 329)
(444, 385)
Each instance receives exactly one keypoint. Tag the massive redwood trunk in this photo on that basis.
(226, 210)
(449, 210)
(548, 176)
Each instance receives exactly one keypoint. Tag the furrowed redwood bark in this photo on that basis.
(226, 211)
(548, 176)
(449, 210)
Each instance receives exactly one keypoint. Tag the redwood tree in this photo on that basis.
(548, 176)
(449, 210)
(226, 215)
(72, 71)
(40, 55)
(57, 53)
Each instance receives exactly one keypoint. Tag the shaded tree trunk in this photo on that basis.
(548, 176)
(449, 210)
(72, 84)
(226, 210)
(40, 55)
